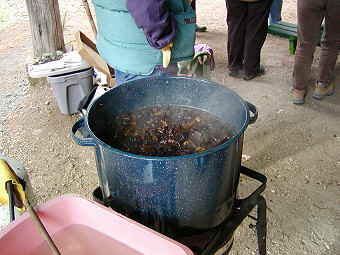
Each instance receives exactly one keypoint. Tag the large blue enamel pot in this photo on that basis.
(194, 191)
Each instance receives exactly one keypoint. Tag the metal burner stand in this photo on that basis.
(211, 241)
(221, 237)
(242, 209)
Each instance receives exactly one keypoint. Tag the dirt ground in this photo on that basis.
(296, 147)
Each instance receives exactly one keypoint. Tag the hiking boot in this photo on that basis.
(298, 96)
(259, 72)
(322, 90)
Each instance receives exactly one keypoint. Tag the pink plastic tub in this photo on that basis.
(79, 226)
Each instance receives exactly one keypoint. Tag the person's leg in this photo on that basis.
(236, 20)
(329, 50)
(275, 12)
(198, 28)
(193, 4)
(256, 33)
(122, 77)
(310, 15)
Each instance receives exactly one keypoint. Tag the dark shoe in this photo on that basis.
(298, 96)
(201, 29)
(323, 90)
(236, 73)
(260, 71)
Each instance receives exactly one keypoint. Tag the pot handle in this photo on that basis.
(81, 141)
(253, 110)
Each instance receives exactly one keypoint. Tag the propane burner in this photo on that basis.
(217, 240)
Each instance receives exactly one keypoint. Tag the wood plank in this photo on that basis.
(283, 28)
(282, 33)
(286, 24)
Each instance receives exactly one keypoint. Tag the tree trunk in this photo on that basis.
(46, 28)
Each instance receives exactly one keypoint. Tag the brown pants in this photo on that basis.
(311, 13)
(247, 31)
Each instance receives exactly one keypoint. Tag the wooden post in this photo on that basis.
(46, 27)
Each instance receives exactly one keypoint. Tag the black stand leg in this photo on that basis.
(261, 226)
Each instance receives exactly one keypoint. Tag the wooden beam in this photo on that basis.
(46, 27)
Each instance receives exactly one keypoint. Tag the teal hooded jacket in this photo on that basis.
(128, 46)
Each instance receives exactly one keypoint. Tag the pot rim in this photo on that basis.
(189, 156)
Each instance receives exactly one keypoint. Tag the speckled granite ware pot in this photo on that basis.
(193, 191)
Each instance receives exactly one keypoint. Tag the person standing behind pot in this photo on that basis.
(247, 31)
(137, 37)
(311, 13)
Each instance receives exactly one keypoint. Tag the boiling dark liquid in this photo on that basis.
(167, 131)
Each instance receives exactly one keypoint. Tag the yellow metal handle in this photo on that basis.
(6, 175)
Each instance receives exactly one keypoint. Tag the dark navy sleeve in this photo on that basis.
(154, 18)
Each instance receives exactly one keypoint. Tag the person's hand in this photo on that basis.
(167, 54)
